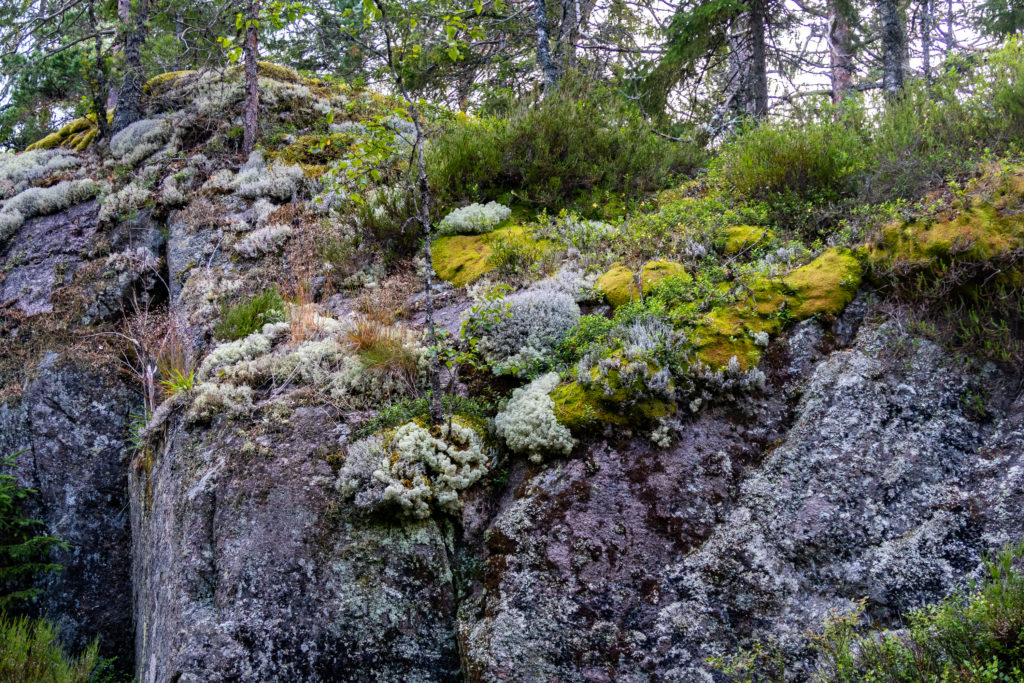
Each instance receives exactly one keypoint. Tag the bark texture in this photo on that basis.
(252, 84)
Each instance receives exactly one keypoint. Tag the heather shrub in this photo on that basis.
(553, 152)
(976, 635)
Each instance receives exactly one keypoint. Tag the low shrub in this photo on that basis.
(244, 318)
(977, 635)
(31, 651)
(572, 143)
(808, 157)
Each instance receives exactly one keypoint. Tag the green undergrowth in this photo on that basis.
(973, 636)
(31, 652)
(242, 319)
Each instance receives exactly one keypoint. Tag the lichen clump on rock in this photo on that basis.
(412, 470)
(474, 219)
(528, 424)
(522, 329)
(42, 201)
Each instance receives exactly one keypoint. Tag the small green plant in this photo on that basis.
(242, 319)
(177, 380)
(515, 256)
(31, 652)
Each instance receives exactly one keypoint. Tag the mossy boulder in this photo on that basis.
(739, 237)
(619, 284)
(977, 234)
(461, 259)
(822, 287)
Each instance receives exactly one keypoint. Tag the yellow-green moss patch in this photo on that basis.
(76, 135)
(577, 408)
(278, 72)
(740, 237)
(619, 286)
(461, 259)
(165, 81)
(978, 234)
(825, 285)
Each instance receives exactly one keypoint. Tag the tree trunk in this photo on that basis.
(569, 34)
(951, 43)
(757, 68)
(99, 81)
(926, 39)
(547, 64)
(894, 47)
(250, 50)
(747, 90)
(840, 49)
(129, 97)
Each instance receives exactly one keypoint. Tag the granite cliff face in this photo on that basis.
(223, 542)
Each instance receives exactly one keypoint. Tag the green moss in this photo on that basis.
(726, 332)
(461, 259)
(76, 135)
(49, 142)
(278, 72)
(619, 286)
(978, 234)
(163, 82)
(579, 408)
(314, 152)
(825, 285)
(740, 237)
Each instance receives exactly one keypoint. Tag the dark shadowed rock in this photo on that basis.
(72, 425)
